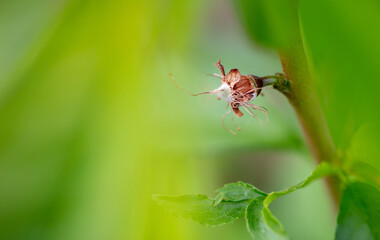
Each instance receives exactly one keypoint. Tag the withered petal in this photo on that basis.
(233, 76)
(243, 83)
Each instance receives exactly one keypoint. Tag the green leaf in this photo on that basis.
(261, 224)
(359, 215)
(363, 155)
(201, 209)
(272, 23)
(324, 169)
(343, 52)
(235, 192)
(231, 203)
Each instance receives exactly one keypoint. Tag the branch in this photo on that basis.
(302, 95)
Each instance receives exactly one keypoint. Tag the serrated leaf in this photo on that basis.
(261, 224)
(359, 215)
(201, 209)
(235, 192)
(324, 169)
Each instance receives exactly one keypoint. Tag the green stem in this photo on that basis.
(278, 81)
(303, 97)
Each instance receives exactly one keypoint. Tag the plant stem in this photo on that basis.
(303, 97)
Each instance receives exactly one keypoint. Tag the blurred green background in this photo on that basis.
(91, 125)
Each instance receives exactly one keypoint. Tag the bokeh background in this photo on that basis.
(91, 125)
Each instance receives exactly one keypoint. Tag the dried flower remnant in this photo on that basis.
(238, 91)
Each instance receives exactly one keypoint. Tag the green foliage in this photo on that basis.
(235, 199)
(272, 23)
(359, 216)
(236, 192)
(342, 46)
(261, 224)
(201, 209)
(363, 154)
